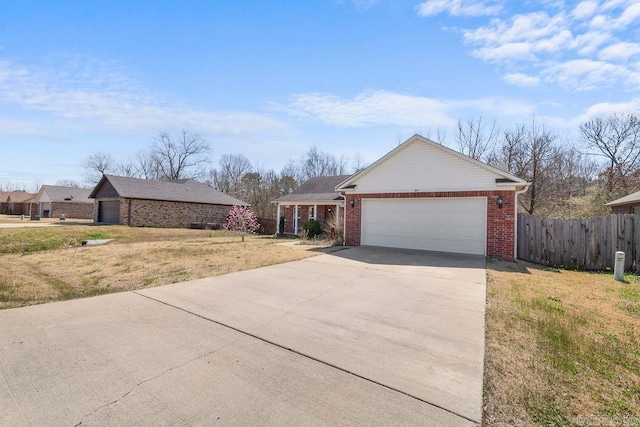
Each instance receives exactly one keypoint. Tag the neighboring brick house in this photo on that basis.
(54, 201)
(626, 205)
(18, 203)
(317, 199)
(171, 204)
(422, 195)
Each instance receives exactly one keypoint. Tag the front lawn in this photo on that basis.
(562, 347)
(44, 264)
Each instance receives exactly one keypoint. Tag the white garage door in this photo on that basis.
(441, 224)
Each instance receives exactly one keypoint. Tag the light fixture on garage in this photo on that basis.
(500, 202)
(352, 202)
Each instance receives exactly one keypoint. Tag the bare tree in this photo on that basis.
(146, 166)
(68, 183)
(476, 138)
(358, 163)
(184, 156)
(127, 169)
(527, 152)
(228, 176)
(617, 139)
(10, 186)
(316, 163)
(439, 135)
(97, 165)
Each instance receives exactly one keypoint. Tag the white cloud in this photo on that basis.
(92, 96)
(375, 108)
(384, 108)
(520, 79)
(562, 44)
(603, 109)
(585, 9)
(584, 74)
(619, 51)
(459, 7)
(587, 44)
(630, 14)
(538, 31)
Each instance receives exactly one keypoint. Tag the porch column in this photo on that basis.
(337, 216)
(315, 212)
(295, 220)
(278, 219)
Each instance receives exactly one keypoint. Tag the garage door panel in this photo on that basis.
(109, 212)
(443, 224)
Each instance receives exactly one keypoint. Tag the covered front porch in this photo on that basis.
(296, 215)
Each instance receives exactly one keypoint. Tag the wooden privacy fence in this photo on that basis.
(586, 243)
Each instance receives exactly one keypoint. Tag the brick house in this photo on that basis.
(54, 201)
(170, 204)
(317, 199)
(18, 203)
(422, 195)
(629, 204)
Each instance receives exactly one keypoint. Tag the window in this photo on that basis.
(312, 212)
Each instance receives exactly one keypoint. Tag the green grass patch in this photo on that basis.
(97, 235)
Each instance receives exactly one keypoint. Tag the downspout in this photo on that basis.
(515, 222)
(129, 215)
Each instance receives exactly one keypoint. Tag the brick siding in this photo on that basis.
(18, 208)
(72, 210)
(163, 214)
(500, 222)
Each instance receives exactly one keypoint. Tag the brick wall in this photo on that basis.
(156, 213)
(500, 222)
(72, 210)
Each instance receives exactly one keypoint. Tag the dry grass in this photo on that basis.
(56, 266)
(562, 347)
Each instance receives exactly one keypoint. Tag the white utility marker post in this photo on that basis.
(618, 269)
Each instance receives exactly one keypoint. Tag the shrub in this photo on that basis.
(312, 229)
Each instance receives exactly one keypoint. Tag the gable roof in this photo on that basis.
(19, 197)
(183, 190)
(318, 189)
(59, 193)
(626, 200)
(502, 177)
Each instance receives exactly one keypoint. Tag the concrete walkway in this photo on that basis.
(364, 336)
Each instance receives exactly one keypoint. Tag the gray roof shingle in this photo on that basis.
(184, 190)
(319, 189)
(58, 193)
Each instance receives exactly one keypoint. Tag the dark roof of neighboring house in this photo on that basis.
(58, 193)
(19, 197)
(322, 188)
(184, 190)
(633, 198)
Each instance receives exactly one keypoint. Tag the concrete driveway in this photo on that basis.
(364, 336)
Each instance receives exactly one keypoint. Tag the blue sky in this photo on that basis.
(270, 79)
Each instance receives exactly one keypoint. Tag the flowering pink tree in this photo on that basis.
(242, 220)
